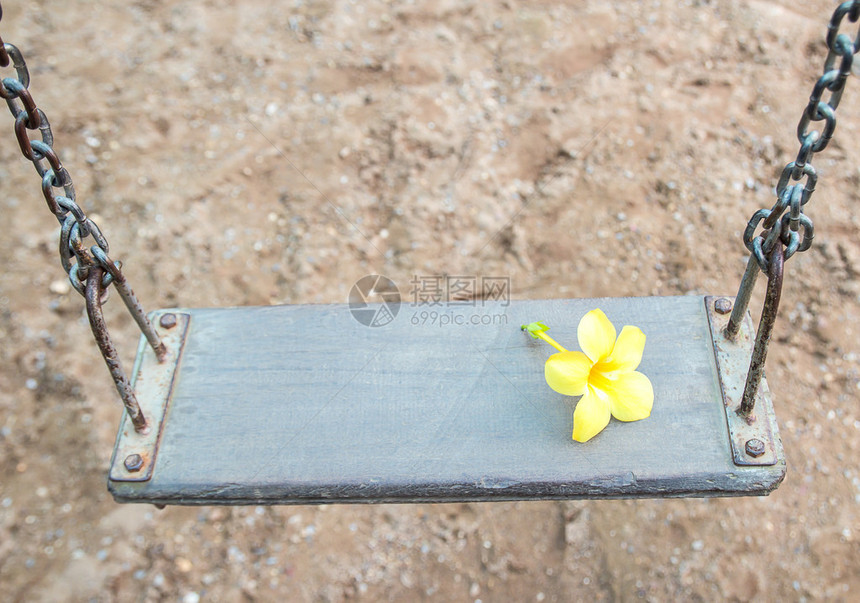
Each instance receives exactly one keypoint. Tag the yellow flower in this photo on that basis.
(604, 375)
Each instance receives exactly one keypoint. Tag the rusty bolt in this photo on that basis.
(133, 462)
(168, 321)
(723, 305)
(755, 448)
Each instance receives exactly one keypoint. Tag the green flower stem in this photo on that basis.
(550, 341)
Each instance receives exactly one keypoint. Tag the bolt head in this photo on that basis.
(133, 462)
(723, 305)
(168, 321)
(755, 448)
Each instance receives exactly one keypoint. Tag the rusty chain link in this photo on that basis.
(798, 179)
(786, 230)
(4, 56)
(80, 262)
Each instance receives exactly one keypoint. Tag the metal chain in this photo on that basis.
(798, 179)
(77, 259)
(74, 223)
(782, 224)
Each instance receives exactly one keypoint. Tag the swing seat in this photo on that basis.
(304, 404)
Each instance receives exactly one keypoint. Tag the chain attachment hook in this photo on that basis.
(765, 330)
(94, 291)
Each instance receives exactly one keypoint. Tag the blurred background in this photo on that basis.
(258, 152)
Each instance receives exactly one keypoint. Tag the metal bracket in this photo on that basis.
(753, 438)
(135, 453)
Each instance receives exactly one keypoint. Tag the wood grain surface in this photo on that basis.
(303, 404)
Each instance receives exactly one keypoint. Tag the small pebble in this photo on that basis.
(60, 287)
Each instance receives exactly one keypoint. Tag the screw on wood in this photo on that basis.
(754, 448)
(133, 462)
(723, 305)
(168, 321)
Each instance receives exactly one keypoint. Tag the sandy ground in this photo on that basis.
(234, 153)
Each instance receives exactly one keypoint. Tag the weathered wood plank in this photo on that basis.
(302, 404)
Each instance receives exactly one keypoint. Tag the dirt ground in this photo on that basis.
(237, 153)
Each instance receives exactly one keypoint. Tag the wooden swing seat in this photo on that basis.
(303, 404)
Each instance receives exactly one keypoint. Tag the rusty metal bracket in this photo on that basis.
(135, 453)
(754, 439)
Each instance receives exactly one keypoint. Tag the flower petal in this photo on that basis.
(596, 335)
(631, 396)
(590, 417)
(627, 353)
(567, 372)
